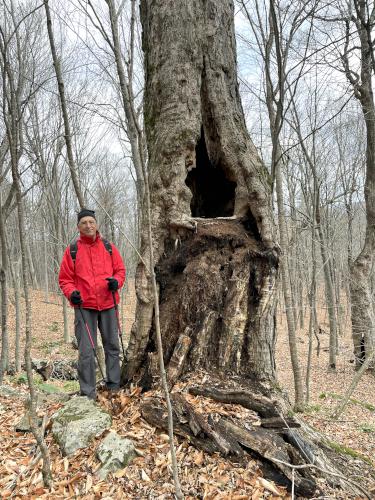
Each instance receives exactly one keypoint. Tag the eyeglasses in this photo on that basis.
(87, 223)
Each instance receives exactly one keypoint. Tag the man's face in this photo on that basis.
(87, 227)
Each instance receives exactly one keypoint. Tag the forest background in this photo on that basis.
(71, 133)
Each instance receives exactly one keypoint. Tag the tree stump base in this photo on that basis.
(290, 453)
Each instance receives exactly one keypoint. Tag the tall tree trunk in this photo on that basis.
(17, 300)
(328, 287)
(287, 292)
(46, 468)
(4, 298)
(64, 109)
(210, 197)
(312, 299)
(363, 317)
(45, 256)
(12, 119)
(275, 114)
(134, 131)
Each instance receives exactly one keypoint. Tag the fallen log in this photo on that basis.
(288, 449)
(270, 446)
(263, 405)
(60, 369)
(228, 438)
(154, 412)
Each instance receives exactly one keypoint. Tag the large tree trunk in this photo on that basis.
(363, 315)
(210, 195)
(214, 253)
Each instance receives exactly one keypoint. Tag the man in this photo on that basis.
(90, 274)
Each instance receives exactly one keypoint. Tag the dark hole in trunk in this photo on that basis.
(250, 225)
(213, 192)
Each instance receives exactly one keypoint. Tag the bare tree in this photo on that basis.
(14, 92)
(275, 30)
(64, 109)
(358, 20)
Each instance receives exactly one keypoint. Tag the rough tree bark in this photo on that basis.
(360, 18)
(4, 358)
(215, 256)
(211, 220)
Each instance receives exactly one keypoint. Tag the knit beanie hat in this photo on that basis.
(85, 213)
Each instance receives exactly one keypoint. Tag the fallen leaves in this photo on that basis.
(149, 476)
(150, 473)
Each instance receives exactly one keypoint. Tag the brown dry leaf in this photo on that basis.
(6, 493)
(199, 458)
(39, 491)
(136, 391)
(222, 479)
(99, 487)
(257, 494)
(88, 483)
(269, 486)
(144, 476)
(161, 460)
(120, 473)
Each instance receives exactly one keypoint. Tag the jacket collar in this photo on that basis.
(88, 241)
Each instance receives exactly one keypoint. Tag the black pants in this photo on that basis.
(107, 323)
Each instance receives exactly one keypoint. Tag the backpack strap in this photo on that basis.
(108, 246)
(73, 251)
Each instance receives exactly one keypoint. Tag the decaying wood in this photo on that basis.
(178, 358)
(60, 369)
(263, 405)
(217, 288)
(228, 438)
(269, 445)
(281, 443)
(279, 423)
(154, 365)
(154, 411)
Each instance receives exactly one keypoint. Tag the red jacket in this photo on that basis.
(92, 266)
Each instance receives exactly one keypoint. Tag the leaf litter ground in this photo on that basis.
(149, 476)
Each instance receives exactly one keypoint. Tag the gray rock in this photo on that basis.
(77, 423)
(115, 453)
(23, 425)
(10, 392)
(48, 397)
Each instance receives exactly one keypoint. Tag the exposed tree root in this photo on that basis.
(291, 453)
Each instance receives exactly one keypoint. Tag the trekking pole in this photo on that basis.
(118, 322)
(92, 342)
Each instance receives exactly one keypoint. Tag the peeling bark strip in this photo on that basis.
(210, 196)
(178, 358)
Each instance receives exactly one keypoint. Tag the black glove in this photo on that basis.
(112, 284)
(76, 298)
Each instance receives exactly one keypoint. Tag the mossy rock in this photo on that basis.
(77, 423)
